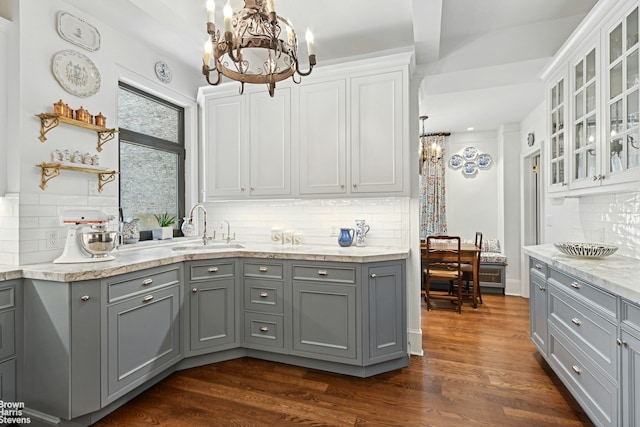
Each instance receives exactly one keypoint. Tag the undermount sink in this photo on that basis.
(208, 247)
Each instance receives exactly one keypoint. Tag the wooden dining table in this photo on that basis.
(468, 255)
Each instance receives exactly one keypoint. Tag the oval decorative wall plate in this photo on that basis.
(76, 73)
(76, 31)
(484, 161)
(470, 153)
(456, 161)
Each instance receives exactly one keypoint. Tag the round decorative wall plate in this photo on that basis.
(469, 169)
(484, 161)
(456, 161)
(76, 73)
(470, 153)
(163, 72)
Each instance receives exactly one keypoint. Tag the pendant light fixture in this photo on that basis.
(257, 46)
(431, 144)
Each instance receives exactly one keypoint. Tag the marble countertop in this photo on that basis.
(128, 259)
(614, 273)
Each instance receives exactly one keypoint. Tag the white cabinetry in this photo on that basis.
(248, 145)
(593, 105)
(350, 124)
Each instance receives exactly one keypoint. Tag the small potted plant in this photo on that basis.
(165, 231)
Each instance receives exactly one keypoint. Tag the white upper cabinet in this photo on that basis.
(323, 138)
(341, 133)
(593, 105)
(377, 133)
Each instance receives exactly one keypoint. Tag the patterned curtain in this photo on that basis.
(433, 218)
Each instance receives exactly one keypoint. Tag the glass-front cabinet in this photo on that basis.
(584, 144)
(557, 179)
(593, 105)
(623, 145)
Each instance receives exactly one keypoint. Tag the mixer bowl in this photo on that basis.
(99, 243)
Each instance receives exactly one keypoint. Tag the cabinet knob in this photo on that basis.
(251, 189)
(194, 290)
(264, 329)
(147, 298)
(264, 294)
(542, 288)
(355, 186)
(263, 269)
(241, 188)
(576, 321)
(575, 285)
(618, 341)
(342, 186)
(147, 282)
(576, 369)
(85, 298)
(373, 275)
(538, 267)
(624, 343)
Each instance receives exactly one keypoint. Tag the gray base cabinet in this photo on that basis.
(211, 306)
(591, 339)
(10, 292)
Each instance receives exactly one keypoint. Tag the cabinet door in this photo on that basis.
(8, 380)
(212, 315)
(538, 312)
(143, 339)
(556, 163)
(225, 147)
(322, 138)
(377, 108)
(622, 159)
(270, 143)
(584, 149)
(630, 379)
(386, 338)
(324, 321)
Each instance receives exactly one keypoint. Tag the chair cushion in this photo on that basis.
(491, 245)
(493, 258)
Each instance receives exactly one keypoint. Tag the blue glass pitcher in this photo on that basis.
(346, 237)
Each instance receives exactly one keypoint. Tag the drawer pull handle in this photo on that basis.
(85, 298)
(263, 269)
(576, 321)
(213, 269)
(576, 369)
(263, 295)
(575, 285)
(538, 267)
(147, 298)
(194, 290)
(147, 282)
(264, 329)
(323, 273)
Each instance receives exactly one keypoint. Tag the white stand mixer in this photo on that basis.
(88, 239)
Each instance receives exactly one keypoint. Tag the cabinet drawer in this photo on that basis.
(7, 334)
(538, 267)
(264, 295)
(7, 298)
(141, 282)
(264, 270)
(321, 273)
(631, 314)
(588, 329)
(263, 330)
(211, 270)
(596, 393)
(590, 293)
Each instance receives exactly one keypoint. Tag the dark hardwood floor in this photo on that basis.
(479, 368)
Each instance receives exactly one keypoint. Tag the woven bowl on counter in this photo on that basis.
(585, 250)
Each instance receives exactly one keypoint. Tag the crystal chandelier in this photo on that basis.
(253, 48)
(431, 144)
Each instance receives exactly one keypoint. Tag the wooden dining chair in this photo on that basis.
(467, 269)
(442, 264)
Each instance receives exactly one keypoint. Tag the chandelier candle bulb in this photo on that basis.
(211, 8)
(228, 13)
(310, 46)
(270, 7)
(208, 50)
(289, 35)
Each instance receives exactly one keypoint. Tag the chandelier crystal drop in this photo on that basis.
(257, 46)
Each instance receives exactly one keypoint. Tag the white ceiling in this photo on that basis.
(480, 58)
